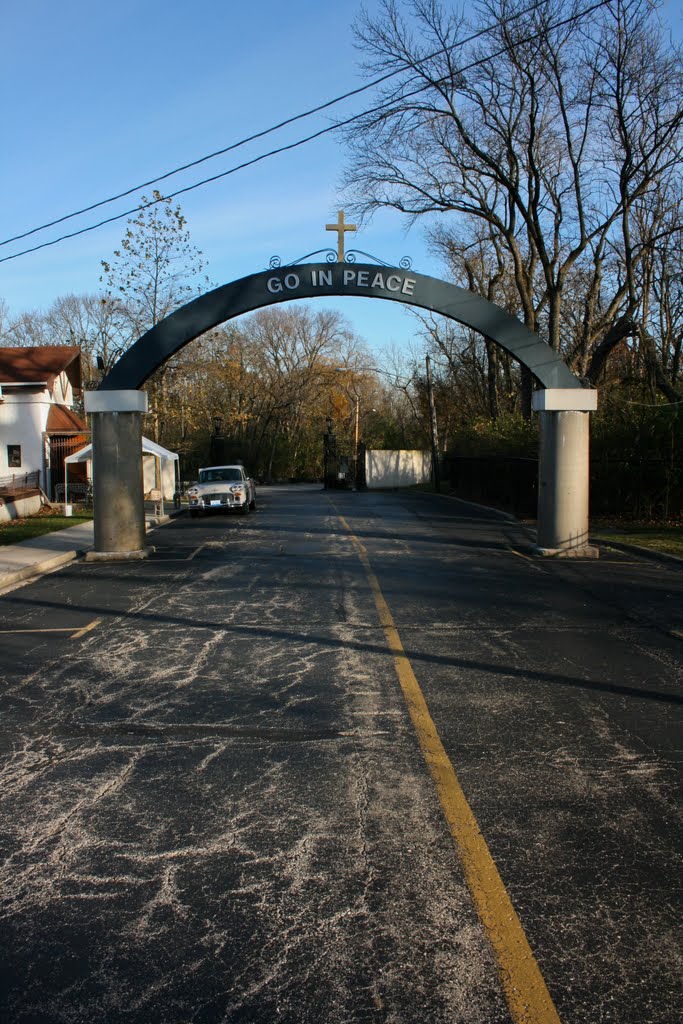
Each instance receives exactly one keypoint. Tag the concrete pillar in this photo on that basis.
(563, 472)
(118, 501)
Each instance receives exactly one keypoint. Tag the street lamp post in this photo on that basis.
(356, 398)
(355, 444)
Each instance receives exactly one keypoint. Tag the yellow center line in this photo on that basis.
(525, 990)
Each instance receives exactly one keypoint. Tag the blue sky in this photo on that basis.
(97, 98)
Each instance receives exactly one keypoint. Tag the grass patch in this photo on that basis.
(45, 521)
(659, 537)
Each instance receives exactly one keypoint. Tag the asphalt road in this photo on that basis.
(217, 802)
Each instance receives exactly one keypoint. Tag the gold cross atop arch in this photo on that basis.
(340, 227)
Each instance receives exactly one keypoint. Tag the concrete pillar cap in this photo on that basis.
(115, 401)
(565, 400)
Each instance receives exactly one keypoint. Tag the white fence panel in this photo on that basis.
(397, 468)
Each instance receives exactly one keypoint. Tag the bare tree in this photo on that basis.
(542, 137)
(292, 351)
(155, 270)
(266, 384)
(27, 329)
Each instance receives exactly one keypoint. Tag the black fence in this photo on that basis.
(510, 484)
(635, 489)
(59, 448)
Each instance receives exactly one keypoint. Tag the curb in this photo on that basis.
(485, 508)
(39, 568)
(656, 556)
(600, 542)
(152, 519)
(47, 565)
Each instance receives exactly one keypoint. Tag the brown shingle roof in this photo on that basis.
(61, 420)
(40, 365)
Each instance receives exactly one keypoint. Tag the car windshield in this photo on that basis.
(209, 476)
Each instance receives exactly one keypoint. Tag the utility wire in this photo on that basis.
(258, 135)
(262, 134)
(654, 405)
(275, 152)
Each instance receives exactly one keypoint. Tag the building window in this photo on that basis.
(14, 456)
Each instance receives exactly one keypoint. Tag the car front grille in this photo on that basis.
(225, 499)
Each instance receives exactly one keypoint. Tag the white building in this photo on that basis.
(38, 427)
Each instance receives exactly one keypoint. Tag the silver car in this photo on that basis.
(222, 487)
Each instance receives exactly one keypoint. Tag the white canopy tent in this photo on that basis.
(148, 448)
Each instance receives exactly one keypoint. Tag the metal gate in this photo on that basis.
(57, 448)
(343, 466)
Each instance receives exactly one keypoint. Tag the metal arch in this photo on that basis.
(251, 293)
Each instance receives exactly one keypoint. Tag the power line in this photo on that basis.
(281, 149)
(251, 138)
(654, 405)
(188, 188)
(193, 163)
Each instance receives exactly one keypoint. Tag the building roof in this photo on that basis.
(40, 365)
(61, 420)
